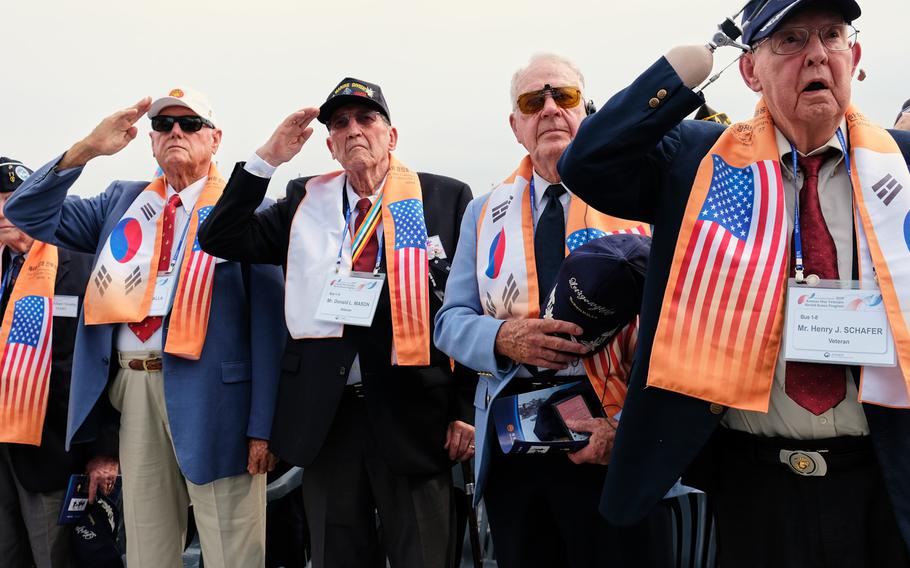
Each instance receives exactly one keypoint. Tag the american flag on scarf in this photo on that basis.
(411, 265)
(26, 363)
(723, 287)
(195, 286)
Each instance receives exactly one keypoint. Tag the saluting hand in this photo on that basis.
(529, 341)
(289, 137)
(109, 137)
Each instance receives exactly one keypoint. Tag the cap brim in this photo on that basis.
(848, 8)
(331, 105)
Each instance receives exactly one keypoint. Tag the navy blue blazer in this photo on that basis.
(638, 162)
(214, 404)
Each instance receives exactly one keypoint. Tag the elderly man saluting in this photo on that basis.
(367, 405)
(808, 465)
(186, 346)
(543, 508)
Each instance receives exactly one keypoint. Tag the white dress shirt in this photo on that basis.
(126, 339)
(576, 367)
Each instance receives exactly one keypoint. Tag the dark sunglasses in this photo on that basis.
(187, 123)
(564, 97)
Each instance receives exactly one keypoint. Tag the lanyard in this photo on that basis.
(364, 233)
(799, 269)
(176, 254)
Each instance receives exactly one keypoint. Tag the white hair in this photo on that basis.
(544, 59)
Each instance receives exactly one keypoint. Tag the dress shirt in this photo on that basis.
(576, 367)
(541, 200)
(785, 418)
(126, 339)
(259, 167)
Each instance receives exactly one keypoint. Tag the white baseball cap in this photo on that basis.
(185, 97)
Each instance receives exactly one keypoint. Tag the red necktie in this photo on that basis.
(367, 260)
(147, 327)
(817, 387)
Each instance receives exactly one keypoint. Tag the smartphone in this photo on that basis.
(573, 408)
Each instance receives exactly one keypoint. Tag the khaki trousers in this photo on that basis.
(229, 512)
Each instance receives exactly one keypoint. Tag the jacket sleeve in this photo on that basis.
(236, 231)
(41, 209)
(465, 379)
(463, 331)
(618, 159)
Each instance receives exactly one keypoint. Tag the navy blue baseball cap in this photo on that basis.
(12, 174)
(599, 287)
(761, 17)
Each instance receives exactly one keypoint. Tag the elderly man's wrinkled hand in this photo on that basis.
(600, 444)
(289, 137)
(102, 475)
(460, 441)
(530, 341)
(261, 460)
(109, 137)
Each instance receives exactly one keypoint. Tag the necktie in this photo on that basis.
(549, 242)
(367, 259)
(817, 387)
(147, 327)
(14, 268)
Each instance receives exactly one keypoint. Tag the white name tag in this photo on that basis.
(66, 306)
(837, 322)
(350, 299)
(163, 295)
(434, 248)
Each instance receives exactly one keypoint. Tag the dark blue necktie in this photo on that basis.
(14, 268)
(550, 242)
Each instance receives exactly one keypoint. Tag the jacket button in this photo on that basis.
(662, 94)
(654, 102)
(342, 371)
(105, 360)
(716, 409)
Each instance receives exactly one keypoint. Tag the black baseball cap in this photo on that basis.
(12, 174)
(353, 91)
(761, 17)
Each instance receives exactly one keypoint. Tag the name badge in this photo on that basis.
(66, 306)
(163, 295)
(434, 248)
(837, 322)
(350, 299)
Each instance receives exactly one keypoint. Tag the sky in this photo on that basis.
(444, 68)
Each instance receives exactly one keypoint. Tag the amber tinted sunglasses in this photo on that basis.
(564, 97)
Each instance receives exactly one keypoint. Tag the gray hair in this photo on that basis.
(542, 59)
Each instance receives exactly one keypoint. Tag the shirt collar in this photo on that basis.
(540, 188)
(353, 197)
(189, 195)
(783, 146)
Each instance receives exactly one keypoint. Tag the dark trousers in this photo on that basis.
(768, 516)
(543, 512)
(350, 481)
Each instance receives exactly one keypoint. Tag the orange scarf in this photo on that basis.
(25, 366)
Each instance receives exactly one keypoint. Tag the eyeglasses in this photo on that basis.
(790, 41)
(564, 97)
(187, 123)
(364, 118)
